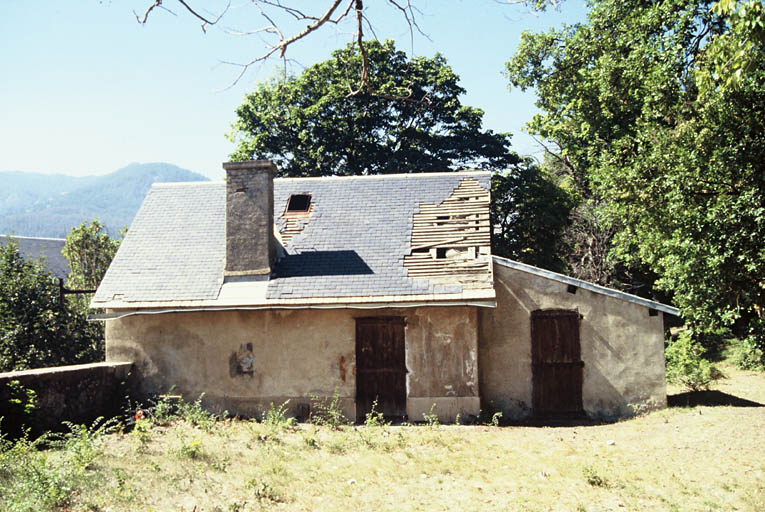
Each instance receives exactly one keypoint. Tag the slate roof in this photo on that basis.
(353, 245)
(33, 248)
(586, 285)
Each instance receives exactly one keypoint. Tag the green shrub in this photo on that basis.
(82, 444)
(168, 408)
(190, 450)
(686, 364)
(745, 353)
(265, 492)
(18, 409)
(22, 398)
(164, 409)
(141, 434)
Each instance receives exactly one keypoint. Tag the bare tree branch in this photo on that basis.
(334, 14)
(364, 81)
(158, 3)
(408, 12)
(534, 4)
(204, 20)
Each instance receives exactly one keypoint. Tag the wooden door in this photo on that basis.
(557, 363)
(380, 366)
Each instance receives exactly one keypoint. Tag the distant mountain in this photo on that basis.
(49, 205)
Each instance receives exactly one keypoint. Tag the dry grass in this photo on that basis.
(707, 457)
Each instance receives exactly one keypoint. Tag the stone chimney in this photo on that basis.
(250, 247)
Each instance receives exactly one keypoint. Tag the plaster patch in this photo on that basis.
(343, 368)
(242, 360)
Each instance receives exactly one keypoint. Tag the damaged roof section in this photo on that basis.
(345, 240)
(359, 234)
(295, 216)
(451, 241)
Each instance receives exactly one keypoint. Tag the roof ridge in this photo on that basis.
(410, 175)
(163, 184)
(406, 175)
(34, 238)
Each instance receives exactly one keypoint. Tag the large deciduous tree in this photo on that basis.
(310, 125)
(680, 173)
(529, 213)
(413, 121)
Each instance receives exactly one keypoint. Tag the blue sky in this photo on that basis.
(85, 89)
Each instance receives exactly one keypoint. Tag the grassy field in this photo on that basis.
(691, 457)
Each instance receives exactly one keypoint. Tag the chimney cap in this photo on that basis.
(249, 164)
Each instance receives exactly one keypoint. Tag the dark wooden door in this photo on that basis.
(557, 363)
(380, 366)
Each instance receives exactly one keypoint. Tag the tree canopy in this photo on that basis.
(39, 328)
(89, 250)
(36, 330)
(679, 172)
(310, 125)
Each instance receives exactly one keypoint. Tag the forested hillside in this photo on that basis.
(49, 205)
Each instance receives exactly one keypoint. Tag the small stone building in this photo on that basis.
(378, 288)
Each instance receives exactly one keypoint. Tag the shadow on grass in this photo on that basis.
(709, 398)
(573, 420)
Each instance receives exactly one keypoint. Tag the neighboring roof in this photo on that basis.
(351, 250)
(33, 248)
(586, 285)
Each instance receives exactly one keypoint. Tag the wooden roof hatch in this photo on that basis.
(298, 211)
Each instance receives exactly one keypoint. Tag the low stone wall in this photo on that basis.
(78, 393)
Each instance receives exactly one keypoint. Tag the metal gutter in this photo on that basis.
(586, 285)
(371, 305)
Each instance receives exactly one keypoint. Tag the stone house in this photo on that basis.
(378, 288)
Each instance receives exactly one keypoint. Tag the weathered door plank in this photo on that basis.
(557, 365)
(380, 366)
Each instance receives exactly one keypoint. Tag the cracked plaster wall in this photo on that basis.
(294, 354)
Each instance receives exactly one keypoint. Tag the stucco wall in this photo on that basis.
(297, 354)
(622, 347)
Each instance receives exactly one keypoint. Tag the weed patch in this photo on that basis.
(430, 417)
(46, 473)
(276, 416)
(264, 492)
(328, 412)
(674, 459)
(593, 477)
